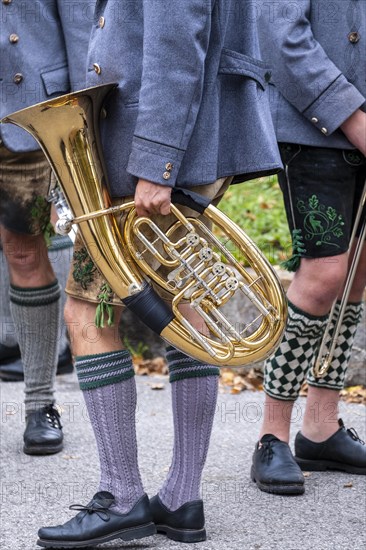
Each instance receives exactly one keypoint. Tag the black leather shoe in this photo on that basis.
(43, 433)
(97, 523)
(9, 353)
(13, 371)
(274, 469)
(187, 524)
(343, 451)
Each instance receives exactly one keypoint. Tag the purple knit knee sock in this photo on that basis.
(109, 390)
(194, 403)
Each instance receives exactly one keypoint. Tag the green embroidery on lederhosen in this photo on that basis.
(84, 268)
(40, 213)
(105, 295)
(298, 250)
(320, 222)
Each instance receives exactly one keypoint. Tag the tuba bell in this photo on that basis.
(199, 263)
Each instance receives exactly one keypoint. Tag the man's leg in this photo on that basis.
(36, 312)
(310, 298)
(34, 290)
(321, 420)
(311, 294)
(177, 508)
(106, 378)
(319, 277)
(11, 365)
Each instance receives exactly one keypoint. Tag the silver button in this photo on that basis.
(13, 38)
(324, 130)
(314, 120)
(166, 175)
(97, 68)
(18, 77)
(354, 37)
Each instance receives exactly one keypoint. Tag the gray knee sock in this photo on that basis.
(37, 317)
(109, 389)
(194, 395)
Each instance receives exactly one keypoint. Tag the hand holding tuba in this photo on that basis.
(198, 263)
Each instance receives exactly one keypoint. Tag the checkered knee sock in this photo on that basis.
(194, 394)
(334, 378)
(109, 389)
(286, 369)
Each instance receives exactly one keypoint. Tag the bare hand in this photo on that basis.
(355, 130)
(151, 198)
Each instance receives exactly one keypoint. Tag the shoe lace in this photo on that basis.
(267, 451)
(101, 511)
(53, 416)
(352, 432)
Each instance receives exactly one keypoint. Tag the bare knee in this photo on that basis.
(27, 258)
(85, 337)
(317, 283)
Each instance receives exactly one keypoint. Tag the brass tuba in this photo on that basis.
(200, 263)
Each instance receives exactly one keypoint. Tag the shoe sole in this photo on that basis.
(182, 535)
(43, 450)
(278, 488)
(324, 465)
(131, 533)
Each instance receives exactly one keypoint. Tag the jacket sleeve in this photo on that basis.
(302, 71)
(76, 19)
(176, 37)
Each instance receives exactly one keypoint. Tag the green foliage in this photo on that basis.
(257, 207)
(138, 351)
(104, 308)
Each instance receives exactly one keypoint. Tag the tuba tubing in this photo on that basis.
(67, 130)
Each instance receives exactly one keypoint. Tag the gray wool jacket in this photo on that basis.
(317, 53)
(191, 92)
(43, 49)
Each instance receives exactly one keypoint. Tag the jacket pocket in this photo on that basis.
(235, 63)
(56, 81)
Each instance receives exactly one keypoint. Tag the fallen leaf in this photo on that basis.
(251, 379)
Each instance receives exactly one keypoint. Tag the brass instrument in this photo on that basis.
(329, 341)
(201, 269)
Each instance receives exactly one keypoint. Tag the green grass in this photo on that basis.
(257, 207)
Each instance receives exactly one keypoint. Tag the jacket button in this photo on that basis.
(13, 38)
(169, 166)
(354, 37)
(7, 1)
(314, 120)
(166, 175)
(97, 68)
(18, 77)
(101, 22)
(324, 130)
